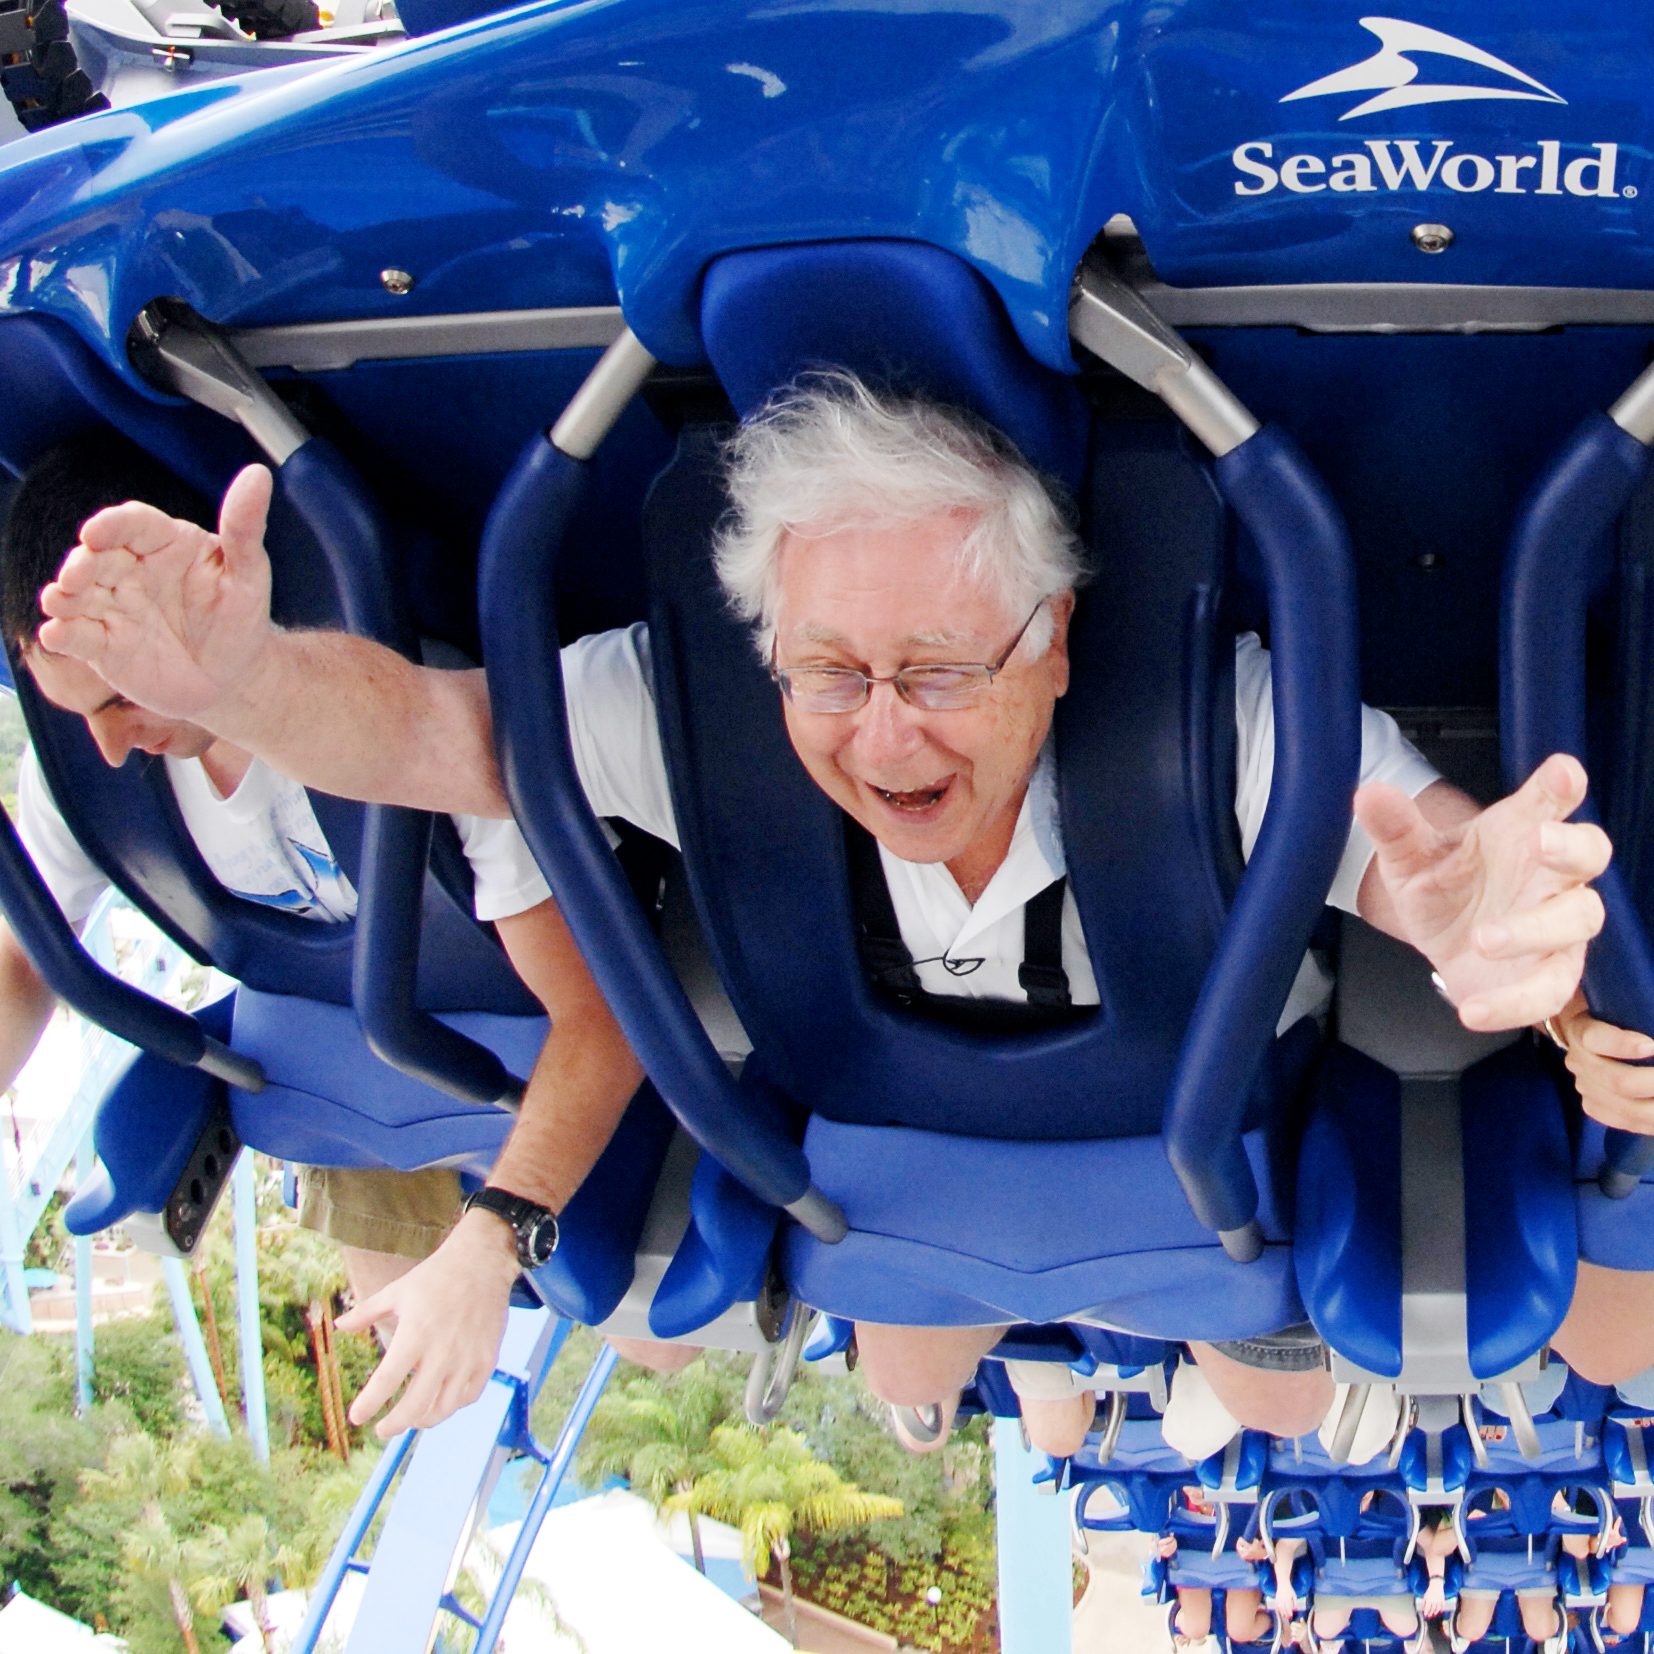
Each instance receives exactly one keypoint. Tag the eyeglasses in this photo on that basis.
(944, 687)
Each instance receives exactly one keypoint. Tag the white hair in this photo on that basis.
(829, 454)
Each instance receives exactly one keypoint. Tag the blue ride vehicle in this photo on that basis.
(1316, 316)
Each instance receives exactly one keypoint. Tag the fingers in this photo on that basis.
(1403, 839)
(1541, 993)
(360, 1317)
(385, 1379)
(1555, 790)
(1603, 1039)
(138, 527)
(1613, 1092)
(437, 1389)
(80, 637)
(83, 572)
(1565, 920)
(1577, 850)
(242, 518)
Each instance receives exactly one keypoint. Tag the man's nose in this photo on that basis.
(113, 738)
(886, 726)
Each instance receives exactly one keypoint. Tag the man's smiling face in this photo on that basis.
(929, 786)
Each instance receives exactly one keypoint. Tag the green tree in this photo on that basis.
(145, 1472)
(299, 1267)
(138, 1362)
(769, 1485)
(659, 1436)
(229, 1563)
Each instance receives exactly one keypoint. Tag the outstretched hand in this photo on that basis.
(450, 1316)
(166, 613)
(1500, 905)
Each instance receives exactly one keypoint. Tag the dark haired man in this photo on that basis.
(437, 1287)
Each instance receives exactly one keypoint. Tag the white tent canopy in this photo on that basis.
(609, 1572)
(31, 1627)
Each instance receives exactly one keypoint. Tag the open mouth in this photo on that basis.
(916, 799)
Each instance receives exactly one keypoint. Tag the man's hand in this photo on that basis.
(1433, 1604)
(1165, 1547)
(450, 1317)
(1601, 1059)
(169, 615)
(1251, 1550)
(1499, 903)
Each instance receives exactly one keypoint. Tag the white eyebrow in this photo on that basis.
(935, 638)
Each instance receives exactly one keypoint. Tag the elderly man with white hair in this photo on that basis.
(909, 580)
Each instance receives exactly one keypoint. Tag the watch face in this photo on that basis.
(537, 1241)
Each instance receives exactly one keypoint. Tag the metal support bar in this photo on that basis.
(246, 1295)
(1115, 325)
(603, 396)
(557, 1464)
(1634, 412)
(323, 347)
(198, 361)
(195, 1346)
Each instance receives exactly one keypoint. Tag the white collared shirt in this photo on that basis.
(617, 751)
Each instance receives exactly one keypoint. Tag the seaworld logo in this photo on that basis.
(1394, 75)
(1401, 164)
(1413, 164)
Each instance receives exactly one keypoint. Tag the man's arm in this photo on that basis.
(1498, 900)
(177, 619)
(450, 1309)
(26, 1006)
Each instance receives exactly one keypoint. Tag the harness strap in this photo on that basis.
(889, 964)
(1041, 974)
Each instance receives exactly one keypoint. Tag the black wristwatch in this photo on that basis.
(534, 1227)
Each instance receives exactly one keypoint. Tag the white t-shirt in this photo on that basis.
(262, 843)
(617, 751)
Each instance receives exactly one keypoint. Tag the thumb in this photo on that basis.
(242, 518)
(1405, 842)
(360, 1317)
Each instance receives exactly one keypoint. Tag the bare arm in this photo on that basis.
(355, 719)
(177, 619)
(26, 1006)
(450, 1310)
(1498, 900)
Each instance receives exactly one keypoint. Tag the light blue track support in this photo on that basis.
(246, 1293)
(551, 1479)
(449, 1476)
(195, 1347)
(85, 1161)
(1036, 1575)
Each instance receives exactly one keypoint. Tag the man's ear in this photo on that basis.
(1062, 611)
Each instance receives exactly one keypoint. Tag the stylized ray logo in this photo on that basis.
(1394, 75)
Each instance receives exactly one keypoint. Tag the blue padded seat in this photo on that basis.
(1520, 1241)
(1144, 741)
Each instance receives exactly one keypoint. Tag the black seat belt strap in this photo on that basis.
(1041, 974)
(884, 955)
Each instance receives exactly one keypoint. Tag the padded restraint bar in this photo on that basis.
(200, 362)
(1304, 556)
(517, 575)
(1561, 556)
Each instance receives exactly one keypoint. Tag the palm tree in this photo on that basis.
(303, 1268)
(657, 1437)
(145, 1470)
(153, 1548)
(230, 1562)
(769, 1484)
